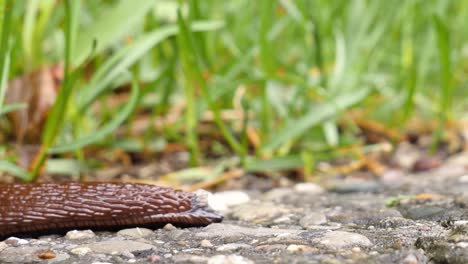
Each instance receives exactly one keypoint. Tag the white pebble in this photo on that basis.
(169, 227)
(462, 244)
(308, 187)
(14, 241)
(206, 243)
(82, 234)
(80, 251)
(221, 201)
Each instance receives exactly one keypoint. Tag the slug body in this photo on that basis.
(48, 208)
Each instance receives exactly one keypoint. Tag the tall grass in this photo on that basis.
(298, 67)
(5, 29)
(56, 118)
(6, 8)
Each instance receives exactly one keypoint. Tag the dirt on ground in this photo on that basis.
(399, 217)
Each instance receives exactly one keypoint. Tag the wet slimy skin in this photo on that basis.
(49, 208)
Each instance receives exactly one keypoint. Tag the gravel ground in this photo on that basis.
(399, 218)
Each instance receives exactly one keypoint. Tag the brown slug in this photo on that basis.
(49, 208)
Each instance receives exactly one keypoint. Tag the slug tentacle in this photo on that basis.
(47, 208)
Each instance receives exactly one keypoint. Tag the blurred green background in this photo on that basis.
(280, 80)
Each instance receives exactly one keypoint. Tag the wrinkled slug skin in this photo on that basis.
(48, 208)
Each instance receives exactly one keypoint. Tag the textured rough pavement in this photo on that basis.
(398, 218)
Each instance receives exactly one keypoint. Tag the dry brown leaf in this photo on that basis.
(26, 154)
(228, 175)
(374, 130)
(427, 196)
(37, 90)
(253, 137)
(373, 165)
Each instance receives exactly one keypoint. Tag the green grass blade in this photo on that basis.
(330, 130)
(2, 14)
(319, 54)
(443, 39)
(274, 164)
(5, 66)
(56, 116)
(409, 68)
(65, 167)
(315, 116)
(11, 107)
(46, 8)
(338, 73)
(445, 104)
(28, 31)
(266, 9)
(36, 16)
(293, 11)
(107, 129)
(113, 25)
(121, 61)
(13, 169)
(410, 92)
(5, 46)
(194, 72)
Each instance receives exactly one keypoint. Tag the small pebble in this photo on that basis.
(82, 234)
(342, 239)
(127, 254)
(223, 200)
(460, 223)
(309, 188)
(205, 243)
(154, 258)
(313, 219)
(14, 241)
(463, 179)
(259, 211)
(3, 245)
(46, 255)
(230, 259)
(169, 227)
(135, 232)
(356, 249)
(206, 197)
(426, 163)
(410, 259)
(462, 244)
(426, 212)
(80, 251)
(193, 259)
